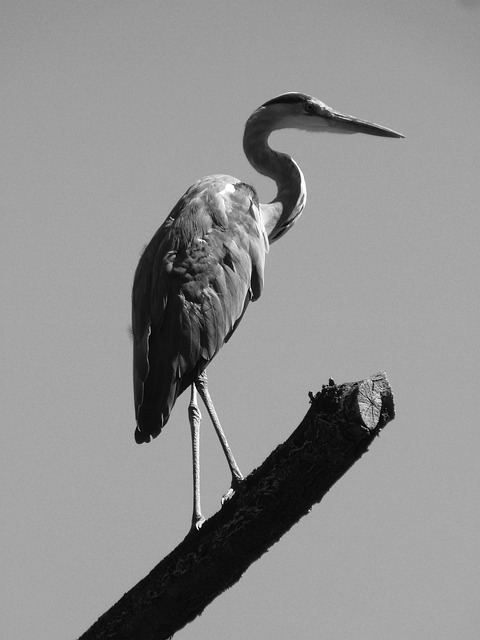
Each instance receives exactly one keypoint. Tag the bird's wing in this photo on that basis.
(149, 297)
(191, 288)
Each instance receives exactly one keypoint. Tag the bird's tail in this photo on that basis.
(159, 396)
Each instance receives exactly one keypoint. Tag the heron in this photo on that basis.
(205, 264)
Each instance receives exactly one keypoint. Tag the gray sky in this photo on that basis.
(110, 110)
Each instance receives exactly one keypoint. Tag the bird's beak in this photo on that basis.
(341, 123)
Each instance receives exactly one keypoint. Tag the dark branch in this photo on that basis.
(337, 430)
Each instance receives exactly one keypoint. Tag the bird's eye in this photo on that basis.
(309, 106)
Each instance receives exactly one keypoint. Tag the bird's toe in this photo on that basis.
(230, 493)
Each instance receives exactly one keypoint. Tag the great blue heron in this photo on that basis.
(205, 264)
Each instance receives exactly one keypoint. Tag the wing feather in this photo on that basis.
(191, 289)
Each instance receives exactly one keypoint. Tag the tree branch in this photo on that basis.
(337, 430)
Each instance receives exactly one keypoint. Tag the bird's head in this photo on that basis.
(300, 111)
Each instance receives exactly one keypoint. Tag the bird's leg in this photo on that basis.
(195, 418)
(201, 384)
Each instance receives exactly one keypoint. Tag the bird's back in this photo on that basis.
(191, 288)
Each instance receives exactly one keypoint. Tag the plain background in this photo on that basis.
(109, 111)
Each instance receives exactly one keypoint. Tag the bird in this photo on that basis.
(205, 264)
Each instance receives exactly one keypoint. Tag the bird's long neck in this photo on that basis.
(282, 212)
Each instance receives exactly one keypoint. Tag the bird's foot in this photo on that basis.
(231, 492)
(228, 495)
(197, 522)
